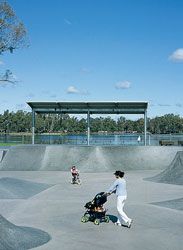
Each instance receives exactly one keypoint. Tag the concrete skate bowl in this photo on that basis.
(14, 237)
(173, 204)
(107, 158)
(173, 174)
(12, 188)
(23, 158)
(2, 154)
(87, 158)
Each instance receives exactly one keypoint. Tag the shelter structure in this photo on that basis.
(89, 108)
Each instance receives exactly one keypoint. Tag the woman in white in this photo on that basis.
(119, 187)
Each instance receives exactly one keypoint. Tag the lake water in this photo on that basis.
(117, 139)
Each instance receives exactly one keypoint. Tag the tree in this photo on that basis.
(139, 125)
(96, 124)
(12, 35)
(121, 123)
(109, 124)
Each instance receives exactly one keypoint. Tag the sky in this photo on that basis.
(98, 50)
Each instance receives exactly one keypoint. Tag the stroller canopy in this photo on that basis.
(100, 199)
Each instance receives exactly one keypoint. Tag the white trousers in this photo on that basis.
(121, 214)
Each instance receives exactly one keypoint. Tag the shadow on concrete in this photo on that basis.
(112, 218)
(173, 204)
(12, 188)
(14, 237)
(173, 174)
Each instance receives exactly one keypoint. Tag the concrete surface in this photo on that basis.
(88, 159)
(13, 188)
(58, 210)
(173, 174)
(2, 153)
(14, 237)
(23, 158)
(174, 204)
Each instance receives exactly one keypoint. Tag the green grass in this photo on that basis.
(9, 143)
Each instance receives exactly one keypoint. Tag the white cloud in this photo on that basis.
(177, 55)
(123, 85)
(67, 21)
(72, 90)
(85, 70)
(1, 62)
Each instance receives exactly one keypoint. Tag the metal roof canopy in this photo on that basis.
(92, 107)
(89, 108)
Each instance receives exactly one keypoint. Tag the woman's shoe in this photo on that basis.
(129, 223)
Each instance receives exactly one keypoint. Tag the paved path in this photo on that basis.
(58, 210)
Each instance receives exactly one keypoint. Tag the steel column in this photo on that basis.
(88, 128)
(33, 126)
(145, 127)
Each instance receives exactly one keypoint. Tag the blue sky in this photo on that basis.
(98, 50)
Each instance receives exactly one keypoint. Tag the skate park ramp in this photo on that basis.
(87, 158)
(173, 174)
(14, 237)
(23, 158)
(2, 154)
(12, 188)
(58, 211)
(173, 204)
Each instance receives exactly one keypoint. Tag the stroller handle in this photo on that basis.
(107, 194)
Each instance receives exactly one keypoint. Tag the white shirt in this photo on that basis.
(119, 187)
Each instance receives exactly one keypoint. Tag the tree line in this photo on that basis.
(21, 122)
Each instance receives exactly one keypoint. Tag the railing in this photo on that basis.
(109, 139)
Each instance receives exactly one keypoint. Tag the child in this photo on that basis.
(75, 175)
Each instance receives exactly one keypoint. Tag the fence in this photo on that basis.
(109, 139)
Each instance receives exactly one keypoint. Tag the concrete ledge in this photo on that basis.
(23, 158)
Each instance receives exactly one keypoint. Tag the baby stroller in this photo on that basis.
(95, 210)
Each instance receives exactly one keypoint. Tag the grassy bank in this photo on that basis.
(9, 143)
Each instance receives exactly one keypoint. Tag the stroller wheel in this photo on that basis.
(107, 219)
(96, 222)
(84, 218)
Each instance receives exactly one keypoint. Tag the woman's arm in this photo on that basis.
(112, 187)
